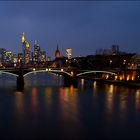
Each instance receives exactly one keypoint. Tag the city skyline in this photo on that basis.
(83, 26)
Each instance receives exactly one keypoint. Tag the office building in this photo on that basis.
(26, 50)
(69, 53)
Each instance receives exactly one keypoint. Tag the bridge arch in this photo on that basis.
(47, 71)
(94, 71)
(8, 73)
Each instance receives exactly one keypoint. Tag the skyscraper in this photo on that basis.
(42, 57)
(69, 53)
(36, 53)
(26, 50)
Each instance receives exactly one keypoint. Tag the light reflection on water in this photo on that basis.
(47, 109)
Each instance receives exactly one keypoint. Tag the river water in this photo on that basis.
(45, 109)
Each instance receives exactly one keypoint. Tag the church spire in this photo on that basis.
(57, 48)
(57, 53)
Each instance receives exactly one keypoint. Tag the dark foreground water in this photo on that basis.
(47, 110)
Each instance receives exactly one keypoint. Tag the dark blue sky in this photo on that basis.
(82, 26)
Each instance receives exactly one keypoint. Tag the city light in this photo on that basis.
(72, 73)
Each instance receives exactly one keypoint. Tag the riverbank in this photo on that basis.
(131, 84)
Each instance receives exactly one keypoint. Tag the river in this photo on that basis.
(45, 109)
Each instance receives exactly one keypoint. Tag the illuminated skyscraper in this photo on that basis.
(20, 60)
(69, 53)
(42, 57)
(36, 53)
(26, 50)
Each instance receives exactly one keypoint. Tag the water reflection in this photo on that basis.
(68, 107)
(19, 102)
(34, 99)
(67, 112)
(123, 98)
(109, 98)
(82, 84)
(95, 88)
(69, 115)
(137, 100)
(48, 100)
(19, 110)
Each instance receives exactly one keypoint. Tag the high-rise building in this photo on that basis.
(20, 59)
(57, 53)
(2, 55)
(115, 49)
(69, 53)
(36, 53)
(26, 50)
(15, 60)
(42, 57)
(8, 58)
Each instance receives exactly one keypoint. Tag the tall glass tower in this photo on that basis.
(36, 55)
(26, 50)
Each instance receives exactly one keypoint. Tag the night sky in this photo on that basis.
(82, 26)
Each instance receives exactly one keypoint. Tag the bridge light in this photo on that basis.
(33, 69)
(47, 69)
(107, 76)
(110, 61)
(72, 73)
(62, 69)
(121, 78)
(116, 77)
(15, 65)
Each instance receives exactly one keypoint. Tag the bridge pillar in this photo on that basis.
(20, 80)
(70, 80)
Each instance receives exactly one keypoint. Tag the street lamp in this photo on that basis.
(110, 62)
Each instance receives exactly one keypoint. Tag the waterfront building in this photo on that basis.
(69, 53)
(134, 62)
(57, 53)
(26, 50)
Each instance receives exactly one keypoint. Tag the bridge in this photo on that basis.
(70, 75)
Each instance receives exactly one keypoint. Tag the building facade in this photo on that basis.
(69, 53)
